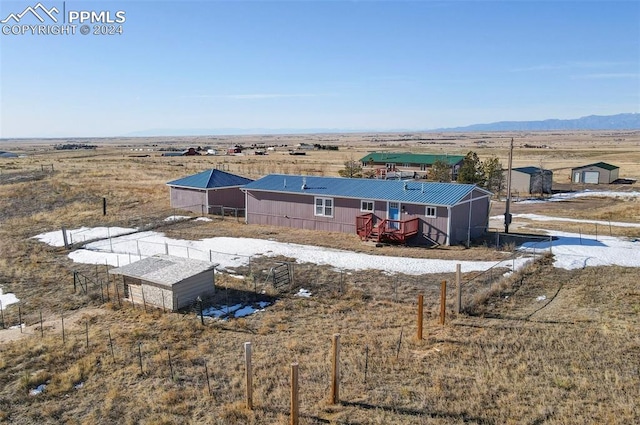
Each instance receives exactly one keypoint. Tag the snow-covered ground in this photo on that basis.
(6, 299)
(558, 197)
(118, 246)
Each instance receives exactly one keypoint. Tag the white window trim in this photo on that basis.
(362, 209)
(324, 206)
(426, 211)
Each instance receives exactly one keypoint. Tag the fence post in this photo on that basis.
(420, 315)
(20, 317)
(335, 369)
(294, 394)
(249, 379)
(443, 301)
(458, 288)
(206, 372)
(64, 238)
(2, 314)
(144, 302)
(140, 357)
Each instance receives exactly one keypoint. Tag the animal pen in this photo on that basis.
(167, 282)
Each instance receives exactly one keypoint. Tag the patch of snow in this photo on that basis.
(538, 217)
(78, 385)
(7, 299)
(82, 234)
(177, 217)
(541, 298)
(38, 390)
(203, 219)
(303, 293)
(559, 197)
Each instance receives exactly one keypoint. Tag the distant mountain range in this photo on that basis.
(591, 122)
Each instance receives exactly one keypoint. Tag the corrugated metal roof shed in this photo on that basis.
(531, 170)
(410, 158)
(163, 269)
(210, 179)
(428, 193)
(602, 165)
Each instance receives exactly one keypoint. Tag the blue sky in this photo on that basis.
(369, 65)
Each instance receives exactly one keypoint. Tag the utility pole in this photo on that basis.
(507, 214)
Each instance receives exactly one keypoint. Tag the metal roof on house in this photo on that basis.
(531, 170)
(427, 193)
(410, 158)
(602, 165)
(210, 179)
(163, 269)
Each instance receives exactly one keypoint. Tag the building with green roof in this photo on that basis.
(399, 164)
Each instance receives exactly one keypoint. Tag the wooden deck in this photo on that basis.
(386, 230)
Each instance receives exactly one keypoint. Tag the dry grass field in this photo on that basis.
(573, 358)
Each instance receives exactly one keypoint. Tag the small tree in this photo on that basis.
(471, 170)
(352, 168)
(440, 171)
(493, 173)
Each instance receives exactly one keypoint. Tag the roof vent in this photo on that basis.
(304, 183)
(405, 186)
(285, 182)
(422, 188)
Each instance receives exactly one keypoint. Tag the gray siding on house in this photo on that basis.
(293, 210)
(188, 199)
(230, 197)
(297, 211)
(460, 219)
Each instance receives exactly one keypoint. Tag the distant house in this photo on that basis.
(598, 173)
(188, 152)
(427, 213)
(4, 154)
(208, 192)
(393, 164)
(167, 282)
(234, 150)
(531, 180)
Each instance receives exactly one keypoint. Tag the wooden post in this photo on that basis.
(113, 356)
(170, 365)
(458, 288)
(366, 362)
(104, 206)
(2, 314)
(443, 301)
(249, 379)
(294, 394)
(335, 369)
(140, 357)
(206, 372)
(20, 318)
(144, 302)
(420, 315)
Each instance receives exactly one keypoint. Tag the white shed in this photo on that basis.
(167, 282)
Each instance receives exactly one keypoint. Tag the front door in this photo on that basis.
(394, 214)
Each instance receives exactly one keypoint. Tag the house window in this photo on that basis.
(324, 207)
(430, 212)
(366, 206)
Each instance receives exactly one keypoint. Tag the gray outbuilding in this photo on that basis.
(598, 173)
(531, 180)
(167, 282)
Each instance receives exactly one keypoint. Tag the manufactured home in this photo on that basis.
(381, 210)
(400, 164)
